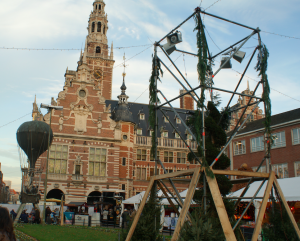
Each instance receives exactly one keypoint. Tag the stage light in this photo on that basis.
(172, 40)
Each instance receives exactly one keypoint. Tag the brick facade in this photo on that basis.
(90, 151)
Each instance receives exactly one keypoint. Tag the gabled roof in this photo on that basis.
(281, 118)
(137, 108)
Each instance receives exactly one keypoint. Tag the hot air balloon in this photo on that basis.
(33, 138)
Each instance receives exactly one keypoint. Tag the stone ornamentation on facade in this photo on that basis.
(78, 160)
(61, 121)
(99, 125)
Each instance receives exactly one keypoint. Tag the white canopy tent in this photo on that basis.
(289, 186)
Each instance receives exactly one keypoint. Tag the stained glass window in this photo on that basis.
(97, 162)
(58, 157)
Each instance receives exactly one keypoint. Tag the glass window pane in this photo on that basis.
(52, 154)
(143, 173)
(57, 167)
(92, 151)
(103, 169)
(91, 168)
(65, 155)
(58, 148)
(92, 157)
(51, 166)
(139, 157)
(97, 169)
(97, 158)
(103, 152)
(65, 148)
(58, 155)
(63, 167)
(170, 153)
(144, 152)
(52, 147)
(297, 169)
(138, 173)
(103, 158)
(138, 151)
(98, 151)
(165, 153)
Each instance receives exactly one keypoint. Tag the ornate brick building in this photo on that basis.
(102, 146)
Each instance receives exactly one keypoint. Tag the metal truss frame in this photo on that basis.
(158, 180)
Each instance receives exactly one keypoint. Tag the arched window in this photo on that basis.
(98, 50)
(99, 27)
(93, 27)
(96, 6)
(99, 6)
(103, 29)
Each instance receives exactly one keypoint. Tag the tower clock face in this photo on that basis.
(98, 74)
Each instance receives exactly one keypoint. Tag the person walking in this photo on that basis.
(6, 226)
(13, 214)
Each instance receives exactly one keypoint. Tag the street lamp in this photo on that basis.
(50, 108)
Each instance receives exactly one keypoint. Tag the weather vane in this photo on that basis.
(124, 73)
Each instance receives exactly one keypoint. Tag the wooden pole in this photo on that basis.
(287, 208)
(223, 216)
(62, 211)
(139, 211)
(187, 203)
(20, 210)
(263, 207)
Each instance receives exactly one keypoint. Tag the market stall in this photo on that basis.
(291, 191)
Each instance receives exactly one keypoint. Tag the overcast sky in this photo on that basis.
(61, 24)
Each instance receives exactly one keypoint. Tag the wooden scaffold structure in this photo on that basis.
(206, 76)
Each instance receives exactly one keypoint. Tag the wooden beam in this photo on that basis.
(175, 174)
(139, 211)
(62, 211)
(263, 207)
(187, 203)
(167, 196)
(222, 213)
(240, 173)
(19, 212)
(287, 208)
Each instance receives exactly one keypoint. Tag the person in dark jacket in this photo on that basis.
(6, 226)
(37, 217)
(125, 218)
(24, 217)
(13, 214)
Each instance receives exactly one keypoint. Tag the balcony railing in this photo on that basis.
(77, 177)
(165, 142)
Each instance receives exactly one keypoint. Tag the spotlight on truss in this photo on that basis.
(172, 40)
(238, 56)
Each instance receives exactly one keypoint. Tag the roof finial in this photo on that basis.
(123, 87)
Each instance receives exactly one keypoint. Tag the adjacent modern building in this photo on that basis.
(248, 145)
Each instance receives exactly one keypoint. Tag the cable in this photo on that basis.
(132, 57)
(212, 4)
(212, 40)
(281, 35)
(15, 120)
(42, 49)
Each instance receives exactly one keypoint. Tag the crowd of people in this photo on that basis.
(34, 216)
(127, 216)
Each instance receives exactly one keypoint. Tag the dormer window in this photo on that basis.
(178, 121)
(189, 136)
(142, 116)
(166, 120)
(139, 132)
(98, 50)
(165, 134)
(177, 136)
(151, 132)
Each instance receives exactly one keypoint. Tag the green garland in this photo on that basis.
(261, 66)
(156, 70)
(202, 67)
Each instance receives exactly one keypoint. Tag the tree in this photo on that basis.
(148, 225)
